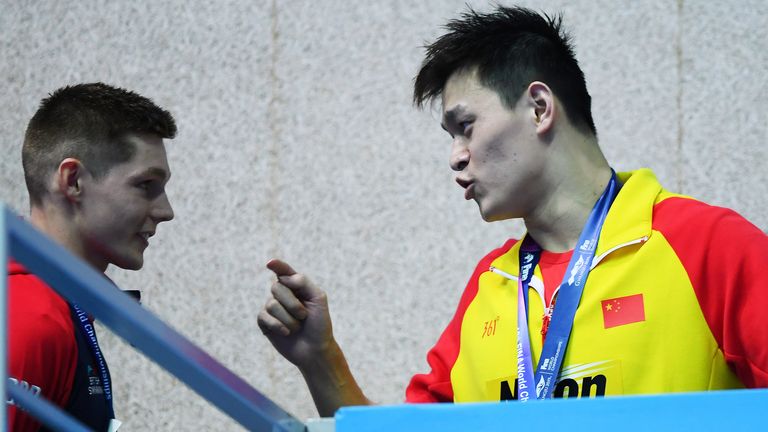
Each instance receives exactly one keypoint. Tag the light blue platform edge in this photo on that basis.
(728, 410)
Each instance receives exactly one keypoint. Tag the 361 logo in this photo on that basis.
(490, 327)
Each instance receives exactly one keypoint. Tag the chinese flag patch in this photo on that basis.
(623, 310)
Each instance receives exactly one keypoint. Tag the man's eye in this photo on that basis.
(145, 185)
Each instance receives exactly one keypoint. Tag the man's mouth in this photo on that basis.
(469, 188)
(469, 192)
(145, 235)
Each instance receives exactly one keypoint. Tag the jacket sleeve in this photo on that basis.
(435, 386)
(42, 353)
(725, 257)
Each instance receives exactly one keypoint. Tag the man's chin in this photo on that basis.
(494, 218)
(129, 264)
(489, 215)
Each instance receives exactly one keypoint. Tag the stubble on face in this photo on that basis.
(123, 208)
(502, 154)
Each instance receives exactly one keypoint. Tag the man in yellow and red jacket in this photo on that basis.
(671, 305)
(618, 286)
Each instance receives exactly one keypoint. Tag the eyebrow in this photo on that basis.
(156, 172)
(450, 115)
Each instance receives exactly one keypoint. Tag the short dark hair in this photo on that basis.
(88, 122)
(510, 48)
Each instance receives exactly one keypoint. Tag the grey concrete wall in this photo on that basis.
(297, 140)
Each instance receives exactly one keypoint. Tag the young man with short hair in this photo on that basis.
(96, 170)
(618, 287)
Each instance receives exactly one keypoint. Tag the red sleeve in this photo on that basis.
(726, 259)
(42, 352)
(436, 385)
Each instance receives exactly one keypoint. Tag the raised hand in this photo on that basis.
(295, 317)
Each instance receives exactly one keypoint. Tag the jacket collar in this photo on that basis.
(629, 218)
(631, 214)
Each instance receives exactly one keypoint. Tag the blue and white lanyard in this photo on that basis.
(568, 299)
(88, 331)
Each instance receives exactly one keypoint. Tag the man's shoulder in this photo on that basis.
(673, 212)
(35, 305)
(42, 349)
(704, 235)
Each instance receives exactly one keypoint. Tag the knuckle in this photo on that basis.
(272, 306)
(301, 279)
(262, 323)
(276, 286)
(295, 308)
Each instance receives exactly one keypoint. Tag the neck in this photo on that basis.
(578, 175)
(59, 227)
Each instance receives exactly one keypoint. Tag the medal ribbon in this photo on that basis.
(89, 332)
(568, 298)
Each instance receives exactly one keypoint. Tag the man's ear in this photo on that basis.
(69, 179)
(543, 101)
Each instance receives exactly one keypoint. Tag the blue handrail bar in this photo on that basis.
(44, 411)
(94, 293)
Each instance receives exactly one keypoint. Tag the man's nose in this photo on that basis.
(459, 155)
(163, 211)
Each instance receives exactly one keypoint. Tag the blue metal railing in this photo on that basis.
(3, 315)
(44, 411)
(79, 283)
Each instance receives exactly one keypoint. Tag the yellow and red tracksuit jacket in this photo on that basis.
(677, 301)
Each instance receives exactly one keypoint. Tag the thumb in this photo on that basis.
(302, 287)
(280, 268)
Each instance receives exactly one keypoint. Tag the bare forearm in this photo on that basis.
(331, 383)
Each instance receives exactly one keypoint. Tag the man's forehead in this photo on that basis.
(144, 139)
(149, 158)
(458, 86)
(141, 169)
